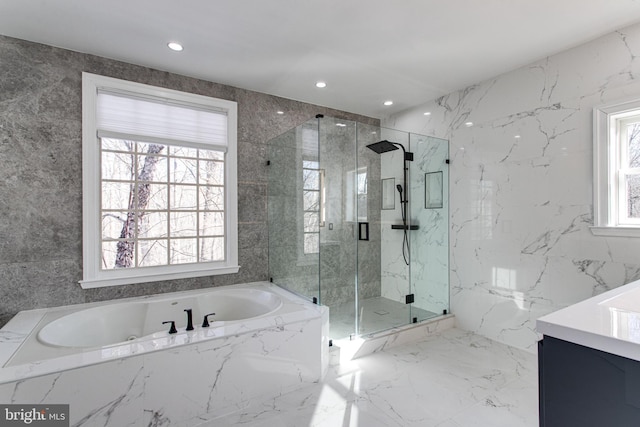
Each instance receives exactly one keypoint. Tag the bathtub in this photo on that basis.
(116, 363)
(120, 322)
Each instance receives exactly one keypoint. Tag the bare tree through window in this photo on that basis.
(137, 207)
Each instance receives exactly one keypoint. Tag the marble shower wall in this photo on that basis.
(428, 276)
(521, 187)
(41, 174)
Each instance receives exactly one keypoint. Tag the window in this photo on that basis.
(356, 195)
(312, 205)
(617, 169)
(311, 186)
(159, 184)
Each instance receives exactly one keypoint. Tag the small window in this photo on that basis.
(159, 184)
(617, 169)
(356, 195)
(312, 187)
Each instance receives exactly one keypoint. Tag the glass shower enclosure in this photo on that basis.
(358, 221)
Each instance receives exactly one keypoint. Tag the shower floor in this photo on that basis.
(375, 314)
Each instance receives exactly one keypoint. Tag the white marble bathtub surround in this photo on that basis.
(521, 187)
(182, 379)
(222, 375)
(108, 394)
(13, 335)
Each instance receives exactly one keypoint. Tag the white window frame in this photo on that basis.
(608, 195)
(93, 275)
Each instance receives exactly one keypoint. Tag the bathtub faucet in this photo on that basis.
(189, 319)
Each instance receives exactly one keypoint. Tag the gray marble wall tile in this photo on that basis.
(252, 166)
(29, 285)
(41, 174)
(252, 202)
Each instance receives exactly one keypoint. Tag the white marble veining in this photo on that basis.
(608, 322)
(521, 187)
(181, 379)
(451, 379)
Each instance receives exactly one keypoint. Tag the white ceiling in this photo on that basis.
(368, 51)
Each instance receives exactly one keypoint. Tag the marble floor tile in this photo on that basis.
(451, 379)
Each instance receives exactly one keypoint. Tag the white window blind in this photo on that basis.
(159, 120)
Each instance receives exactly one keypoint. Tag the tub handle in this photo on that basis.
(205, 322)
(173, 329)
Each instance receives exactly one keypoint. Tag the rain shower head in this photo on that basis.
(382, 146)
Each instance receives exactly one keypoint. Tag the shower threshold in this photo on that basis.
(375, 314)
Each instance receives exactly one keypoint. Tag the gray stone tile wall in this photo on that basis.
(41, 173)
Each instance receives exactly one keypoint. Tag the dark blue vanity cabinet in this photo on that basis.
(583, 387)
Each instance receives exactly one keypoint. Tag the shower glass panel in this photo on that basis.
(339, 234)
(383, 279)
(358, 225)
(430, 242)
(294, 213)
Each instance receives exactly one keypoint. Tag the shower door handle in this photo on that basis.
(363, 231)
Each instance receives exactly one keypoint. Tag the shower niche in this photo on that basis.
(349, 225)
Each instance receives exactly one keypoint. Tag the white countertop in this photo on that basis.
(608, 322)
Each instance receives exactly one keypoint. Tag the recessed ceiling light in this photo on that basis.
(280, 112)
(468, 124)
(428, 113)
(175, 46)
(517, 137)
(321, 84)
(388, 102)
